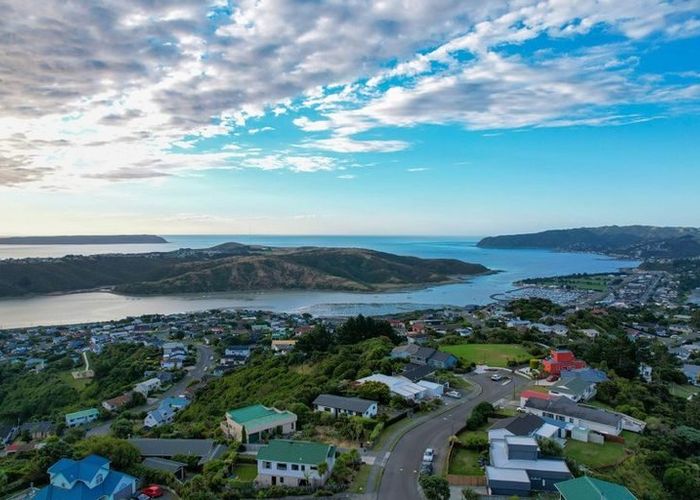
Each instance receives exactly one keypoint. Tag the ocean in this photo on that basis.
(99, 306)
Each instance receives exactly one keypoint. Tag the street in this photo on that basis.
(400, 477)
(204, 363)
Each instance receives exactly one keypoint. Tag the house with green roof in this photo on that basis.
(254, 424)
(284, 462)
(589, 488)
(82, 417)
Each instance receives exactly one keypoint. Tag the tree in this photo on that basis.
(550, 448)
(375, 391)
(318, 339)
(121, 453)
(122, 428)
(435, 487)
(470, 494)
(361, 328)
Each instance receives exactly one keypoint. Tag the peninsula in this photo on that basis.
(637, 242)
(82, 240)
(230, 267)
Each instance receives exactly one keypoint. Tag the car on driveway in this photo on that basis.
(496, 377)
(428, 456)
(153, 491)
(453, 394)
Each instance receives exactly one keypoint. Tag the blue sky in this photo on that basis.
(281, 117)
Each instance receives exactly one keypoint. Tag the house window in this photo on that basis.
(281, 479)
(313, 467)
(303, 467)
(571, 419)
(281, 466)
(295, 467)
(267, 465)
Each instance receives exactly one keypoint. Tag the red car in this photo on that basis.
(153, 491)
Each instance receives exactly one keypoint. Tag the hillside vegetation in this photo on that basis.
(228, 267)
(630, 241)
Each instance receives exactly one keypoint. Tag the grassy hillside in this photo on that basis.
(228, 267)
(633, 241)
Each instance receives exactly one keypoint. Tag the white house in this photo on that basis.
(294, 463)
(565, 410)
(147, 386)
(339, 405)
(399, 386)
(434, 390)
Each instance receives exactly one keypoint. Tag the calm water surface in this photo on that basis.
(514, 264)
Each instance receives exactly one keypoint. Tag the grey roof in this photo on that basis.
(406, 348)
(564, 406)
(524, 425)
(163, 464)
(206, 449)
(43, 426)
(499, 458)
(510, 475)
(415, 372)
(424, 352)
(442, 356)
(343, 403)
(574, 385)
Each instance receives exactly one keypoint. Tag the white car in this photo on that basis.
(496, 377)
(453, 394)
(428, 456)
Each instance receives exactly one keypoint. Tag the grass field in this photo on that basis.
(77, 384)
(595, 283)
(684, 391)
(596, 456)
(465, 462)
(245, 472)
(359, 483)
(488, 354)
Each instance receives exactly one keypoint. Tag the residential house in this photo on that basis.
(82, 417)
(205, 449)
(398, 386)
(283, 346)
(118, 403)
(38, 430)
(236, 356)
(424, 356)
(253, 424)
(165, 413)
(645, 372)
(88, 479)
(588, 374)
(147, 386)
(692, 373)
(590, 488)
(294, 463)
(524, 425)
(339, 405)
(565, 410)
(576, 389)
(433, 390)
(163, 464)
(517, 467)
(561, 359)
(174, 354)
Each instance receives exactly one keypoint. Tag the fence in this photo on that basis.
(457, 480)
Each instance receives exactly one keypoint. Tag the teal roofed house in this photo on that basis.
(589, 488)
(82, 417)
(253, 424)
(88, 479)
(285, 462)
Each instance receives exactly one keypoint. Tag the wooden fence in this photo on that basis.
(457, 480)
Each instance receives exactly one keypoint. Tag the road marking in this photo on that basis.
(507, 382)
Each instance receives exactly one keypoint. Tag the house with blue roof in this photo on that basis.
(165, 413)
(88, 479)
(588, 374)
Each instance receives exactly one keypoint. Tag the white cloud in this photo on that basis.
(299, 164)
(343, 144)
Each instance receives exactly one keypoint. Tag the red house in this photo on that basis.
(561, 359)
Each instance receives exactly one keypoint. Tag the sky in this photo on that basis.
(440, 117)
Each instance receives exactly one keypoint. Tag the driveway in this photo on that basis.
(204, 363)
(400, 477)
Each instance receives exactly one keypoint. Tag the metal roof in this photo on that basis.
(343, 403)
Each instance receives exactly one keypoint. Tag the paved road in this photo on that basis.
(204, 363)
(401, 470)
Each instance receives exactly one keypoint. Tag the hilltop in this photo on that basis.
(83, 240)
(229, 267)
(640, 242)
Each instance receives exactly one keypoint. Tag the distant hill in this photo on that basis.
(229, 267)
(82, 240)
(641, 242)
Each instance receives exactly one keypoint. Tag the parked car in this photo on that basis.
(520, 409)
(428, 456)
(153, 491)
(426, 468)
(453, 394)
(552, 378)
(496, 377)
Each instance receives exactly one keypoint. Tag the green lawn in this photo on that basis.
(465, 462)
(599, 455)
(245, 473)
(77, 384)
(684, 391)
(359, 484)
(488, 354)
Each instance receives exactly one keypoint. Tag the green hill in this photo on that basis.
(229, 267)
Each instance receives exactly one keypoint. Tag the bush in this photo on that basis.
(435, 487)
(470, 494)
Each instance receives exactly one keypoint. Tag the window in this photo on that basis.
(281, 479)
(267, 465)
(313, 467)
(281, 466)
(303, 467)
(295, 467)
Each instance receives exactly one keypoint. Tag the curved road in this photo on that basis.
(401, 470)
(204, 362)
